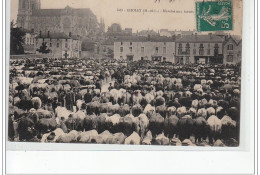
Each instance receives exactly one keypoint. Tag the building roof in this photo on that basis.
(46, 12)
(143, 39)
(147, 32)
(234, 39)
(60, 35)
(29, 31)
(110, 41)
(187, 32)
(200, 39)
(60, 12)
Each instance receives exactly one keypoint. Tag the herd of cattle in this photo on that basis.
(113, 102)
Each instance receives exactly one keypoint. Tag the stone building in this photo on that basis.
(144, 48)
(146, 33)
(29, 41)
(232, 50)
(201, 49)
(81, 22)
(60, 45)
(116, 30)
(176, 33)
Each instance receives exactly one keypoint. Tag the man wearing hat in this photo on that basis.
(87, 97)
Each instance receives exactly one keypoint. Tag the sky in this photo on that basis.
(110, 11)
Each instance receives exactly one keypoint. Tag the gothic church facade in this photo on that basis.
(82, 22)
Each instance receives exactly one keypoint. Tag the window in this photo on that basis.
(230, 47)
(142, 49)
(187, 60)
(201, 49)
(23, 4)
(130, 43)
(164, 43)
(142, 58)
(208, 51)
(50, 44)
(121, 57)
(216, 49)
(58, 45)
(121, 49)
(66, 45)
(201, 52)
(121, 43)
(164, 58)
(188, 48)
(164, 49)
(180, 49)
(156, 49)
(194, 51)
(230, 58)
(131, 49)
(181, 60)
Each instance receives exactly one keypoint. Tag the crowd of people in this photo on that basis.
(116, 102)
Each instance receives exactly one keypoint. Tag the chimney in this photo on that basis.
(149, 37)
(70, 34)
(210, 36)
(226, 37)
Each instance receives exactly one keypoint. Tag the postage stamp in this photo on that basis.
(214, 16)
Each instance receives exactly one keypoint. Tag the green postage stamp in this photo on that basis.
(214, 16)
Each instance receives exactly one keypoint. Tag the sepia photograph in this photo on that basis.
(156, 72)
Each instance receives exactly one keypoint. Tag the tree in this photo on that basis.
(16, 40)
(43, 48)
(88, 45)
(110, 53)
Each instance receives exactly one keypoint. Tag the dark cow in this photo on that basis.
(162, 110)
(26, 129)
(185, 126)
(156, 123)
(201, 129)
(45, 125)
(171, 126)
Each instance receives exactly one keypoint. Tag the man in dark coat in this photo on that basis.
(61, 97)
(98, 84)
(87, 97)
(55, 103)
(78, 96)
(93, 93)
(69, 99)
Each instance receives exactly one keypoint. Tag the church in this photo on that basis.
(82, 22)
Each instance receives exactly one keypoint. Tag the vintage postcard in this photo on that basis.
(150, 72)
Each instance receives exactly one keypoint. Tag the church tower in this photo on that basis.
(102, 25)
(25, 9)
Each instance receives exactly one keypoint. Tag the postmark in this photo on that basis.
(214, 16)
